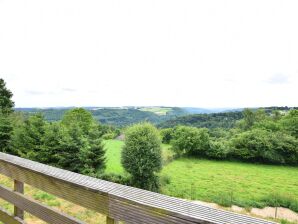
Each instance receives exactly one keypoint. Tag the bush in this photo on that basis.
(166, 135)
(141, 155)
(115, 178)
(191, 140)
(217, 150)
(265, 146)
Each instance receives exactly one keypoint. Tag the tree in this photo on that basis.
(83, 151)
(82, 117)
(93, 156)
(166, 135)
(6, 108)
(191, 140)
(28, 139)
(141, 155)
(6, 104)
(249, 118)
(6, 130)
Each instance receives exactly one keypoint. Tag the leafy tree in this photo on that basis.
(217, 150)
(80, 116)
(166, 135)
(141, 155)
(248, 118)
(191, 140)
(289, 123)
(259, 145)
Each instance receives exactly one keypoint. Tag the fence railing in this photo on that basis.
(117, 202)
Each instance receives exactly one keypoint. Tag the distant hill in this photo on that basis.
(116, 116)
(163, 116)
(214, 120)
(225, 119)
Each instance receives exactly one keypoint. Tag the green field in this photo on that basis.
(157, 110)
(222, 182)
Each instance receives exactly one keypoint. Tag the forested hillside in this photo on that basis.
(118, 117)
(225, 120)
(215, 120)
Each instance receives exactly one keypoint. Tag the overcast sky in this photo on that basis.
(164, 52)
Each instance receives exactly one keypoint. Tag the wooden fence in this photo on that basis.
(117, 202)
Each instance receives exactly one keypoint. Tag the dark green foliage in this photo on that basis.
(141, 155)
(217, 150)
(82, 149)
(166, 135)
(74, 144)
(109, 132)
(190, 140)
(92, 157)
(6, 108)
(6, 104)
(81, 117)
(116, 178)
(6, 129)
(265, 146)
(52, 144)
(215, 120)
(28, 138)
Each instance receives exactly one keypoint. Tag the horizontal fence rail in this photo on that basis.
(117, 202)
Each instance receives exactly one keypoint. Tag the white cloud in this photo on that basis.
(180, 53)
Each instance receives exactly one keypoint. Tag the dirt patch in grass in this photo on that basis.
(267, 212)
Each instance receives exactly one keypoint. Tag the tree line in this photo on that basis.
(258, 137)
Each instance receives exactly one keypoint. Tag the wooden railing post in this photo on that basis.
(110, 220)
(18, 187)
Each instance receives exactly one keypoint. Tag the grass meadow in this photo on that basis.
(223, 182)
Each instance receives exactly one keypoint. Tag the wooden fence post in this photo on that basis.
(110, 220)
(18, 187)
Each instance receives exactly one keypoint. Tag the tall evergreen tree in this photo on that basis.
(6, 108)
(6, 103)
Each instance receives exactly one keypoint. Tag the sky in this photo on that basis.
(209, 54)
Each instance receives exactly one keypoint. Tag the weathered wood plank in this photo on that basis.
(119, 202)
(83, 196)
(6, 218)
(35, 208)
(18, 187)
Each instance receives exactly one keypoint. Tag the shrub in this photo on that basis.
(265, 146)
(217, 150)
(141, 155)
(166, 135)
(191, 140)
(116, 178)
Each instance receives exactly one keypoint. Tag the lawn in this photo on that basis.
(113, 156)
(223, 182)
(229, 183)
